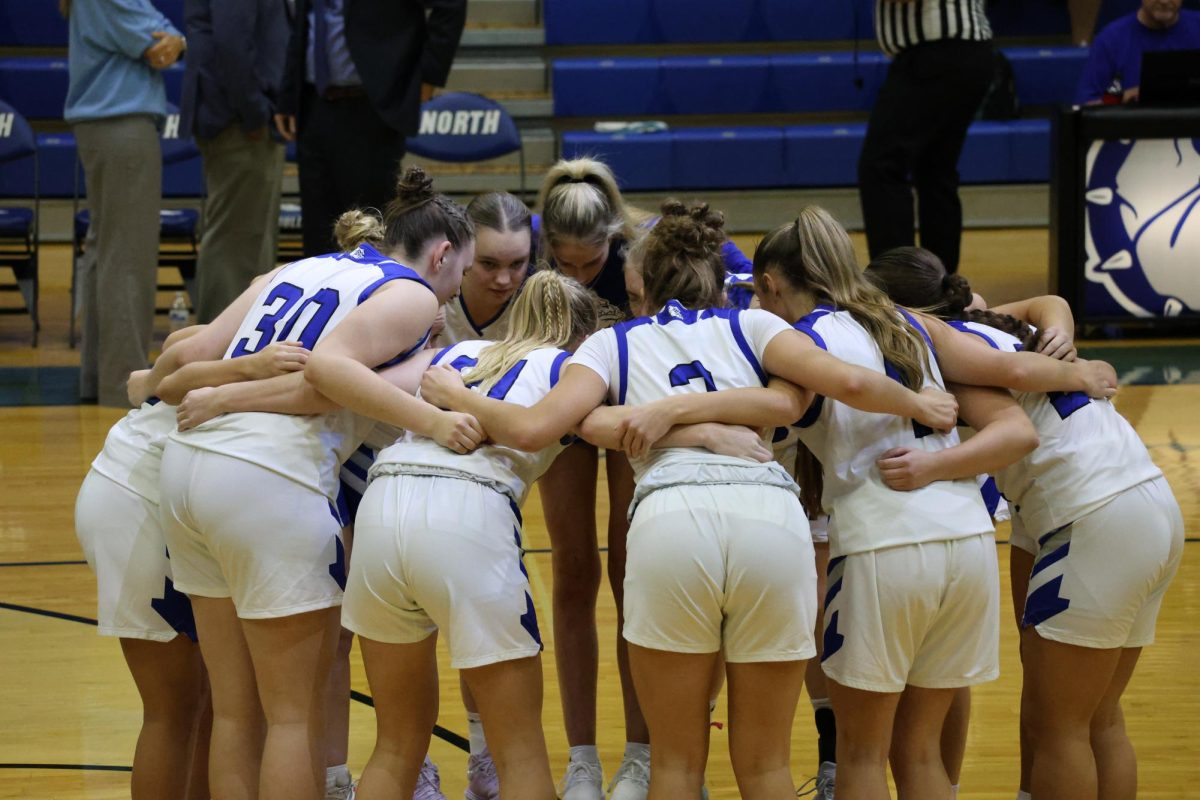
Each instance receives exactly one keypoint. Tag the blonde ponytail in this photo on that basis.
(551, 310)
(814, 254)
(579, 199)
(356, 227)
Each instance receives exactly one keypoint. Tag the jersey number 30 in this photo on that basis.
(325, 302)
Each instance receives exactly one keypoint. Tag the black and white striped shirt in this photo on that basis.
(900, 25)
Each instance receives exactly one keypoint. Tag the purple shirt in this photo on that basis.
(1114, 64)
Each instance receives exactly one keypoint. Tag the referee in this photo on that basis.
(940, 72)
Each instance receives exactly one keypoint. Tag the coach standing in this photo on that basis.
(357, 72)
(234, 71)
(940, 71)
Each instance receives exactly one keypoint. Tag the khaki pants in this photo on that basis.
(241, 216)
(122, 160)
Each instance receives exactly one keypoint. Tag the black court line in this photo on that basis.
(445, 735)
(41, 563)
(87, 767)
(442, 733)
(44, 613)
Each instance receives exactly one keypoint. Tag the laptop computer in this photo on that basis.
(1170, 78)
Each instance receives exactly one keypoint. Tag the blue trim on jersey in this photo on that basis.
(556, 367)
(920, 328)
(348, 499)
(735, 325)
(622, 363)
(439, 355)
(1043, 539)
(811, 332)
(833, 591)
(152, 400)
(813, 413)
(991, 495)
(479, 328)
(960, 325)
(407, 354)
(393, 272)
(819, 311)
(833, 564)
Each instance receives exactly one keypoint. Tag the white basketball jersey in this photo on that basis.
(508, 470)
(303, 302)
(1088, 453)
(133, 449)
(847, 442)
(460, 327)
(680, 351)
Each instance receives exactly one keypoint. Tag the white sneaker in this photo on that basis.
(632, 781)
(339, 791)
(826, 774)
(583, 781)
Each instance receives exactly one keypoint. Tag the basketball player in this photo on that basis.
(941, 632)
(583, 230)
(266, 606)
(117, 524)
(1075, 500)
(668, 357)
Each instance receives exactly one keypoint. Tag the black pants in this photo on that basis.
(914, 139)
(348, 158)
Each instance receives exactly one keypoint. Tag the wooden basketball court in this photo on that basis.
(69, 713)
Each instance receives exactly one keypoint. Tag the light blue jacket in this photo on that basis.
(109, 77)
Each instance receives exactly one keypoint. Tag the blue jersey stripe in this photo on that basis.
(556, 367)
(735, 324)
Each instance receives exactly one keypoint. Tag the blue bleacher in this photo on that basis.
(37, 85)
(653, 21)
(585, 87)
(37, 23)
(826, 81)
(1046, 75)
(802, 82)
(800, 156)
(719, 85)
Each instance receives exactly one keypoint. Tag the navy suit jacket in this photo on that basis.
(234, 66)
(395, 49)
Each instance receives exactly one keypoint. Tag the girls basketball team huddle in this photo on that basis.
(347, 448)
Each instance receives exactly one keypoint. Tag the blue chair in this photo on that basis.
(592, 22)
(985, 155)
(806, 20)
(823, 155)
(827, 81)
(727, 158)
(462, 127)
(1047, 76)
(179, 237)
(716, 85)
(19, 225)
(598, 87)
(705, 20)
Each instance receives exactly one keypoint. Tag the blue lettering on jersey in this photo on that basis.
(502, 387)
(289, 294)
(683, 374)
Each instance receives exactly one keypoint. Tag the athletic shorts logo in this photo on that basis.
(1142, 228)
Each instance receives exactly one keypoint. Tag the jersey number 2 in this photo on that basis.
(683, 374)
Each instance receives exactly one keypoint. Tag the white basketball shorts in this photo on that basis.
(721, 567)
(122, 540)
(442, 554)
(924, 615)
(238, 530)
(1099, 582)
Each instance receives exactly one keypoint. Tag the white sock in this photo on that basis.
(475, 733)
(637, 750)
(337, 776)
(820, 702)
(954, 792)
(585, 752)
(1021, 795)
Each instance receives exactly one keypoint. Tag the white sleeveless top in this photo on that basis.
(847, 442)
(304, 301)
(460, 327)
(1088, 453)
(678, 351)
(506, 469)
(132, 453)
